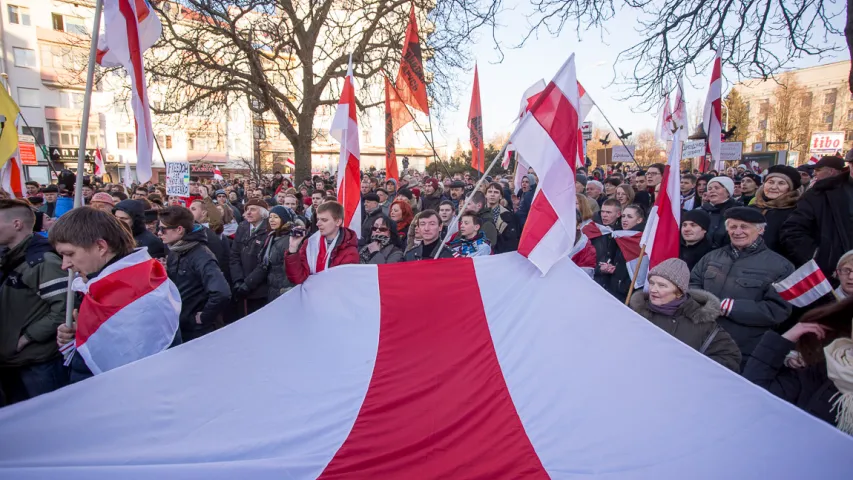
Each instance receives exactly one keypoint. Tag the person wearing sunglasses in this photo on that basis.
(382, 246)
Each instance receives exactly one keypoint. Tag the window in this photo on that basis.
(165, 141)
(827, 117)
(762, 124)
(19, 15)
(126, 141)
(764, 107)
(24, 57)
(36, 132)
(829, 97)
(68, 135)
(848, 137)
(69, 99)
(850, 115)
(58, 24)
(204, 142)
(29, 97)
(75, 25)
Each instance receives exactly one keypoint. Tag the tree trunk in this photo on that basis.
(302, 149)
(848, 35)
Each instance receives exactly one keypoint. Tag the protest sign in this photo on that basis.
(731, 151)
(693, 149)
(622, 154)
(178, 179)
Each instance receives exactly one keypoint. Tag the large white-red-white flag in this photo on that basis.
(528, 98)
(345, 130)
(712, 115)
(803, 287)
(99, 162)
(663, 229)
(130, 28)
(548, 138)
(493, 381)
(129, 311)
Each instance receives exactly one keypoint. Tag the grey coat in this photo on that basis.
(693, 323)
(748, 281)
(277, 282)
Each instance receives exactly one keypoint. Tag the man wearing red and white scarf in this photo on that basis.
(330, 246)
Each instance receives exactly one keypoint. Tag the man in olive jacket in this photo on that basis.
(742, 276)
(33, 290)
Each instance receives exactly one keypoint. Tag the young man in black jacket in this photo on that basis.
(194, 270)
(504, 219)
(132, 214)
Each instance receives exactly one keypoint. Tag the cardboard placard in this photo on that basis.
(731, 151)
(622, 154)
(178, 179)
(693, 149)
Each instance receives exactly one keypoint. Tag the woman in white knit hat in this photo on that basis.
(720, 192)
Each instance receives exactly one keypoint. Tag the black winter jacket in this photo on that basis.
(821, 225)
(488, 225)
(245, 251)
(201, 284)
(367, 225)
(221, 250)
(691, 254)
(270, 269)
(431, 202)
(808, 388)
(143, 237)
(619, 282)
(508, 232)
(693, 323)
(716, 233)
(746, 279)
(776, 217)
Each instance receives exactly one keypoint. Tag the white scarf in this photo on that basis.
(312, 251)
(839, 293)
(839, 368)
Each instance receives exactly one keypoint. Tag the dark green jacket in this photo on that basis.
(32, 296)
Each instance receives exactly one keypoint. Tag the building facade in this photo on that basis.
(44, 52)
(783, 113)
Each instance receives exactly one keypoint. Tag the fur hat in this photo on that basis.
(726, 183)
(674, 270)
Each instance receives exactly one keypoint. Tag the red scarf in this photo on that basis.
(321, 257)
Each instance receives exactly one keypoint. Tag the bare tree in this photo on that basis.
(648, 149)
(287, 59)
(757, 39)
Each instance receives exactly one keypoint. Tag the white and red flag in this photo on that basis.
(663, 130)
(497, 384)
(594, 230)
(345, 131)
(804, 286)
(712, 115)
(130, 28)
(663, 228)
(528, 98)
(628, 242)
(13, 178)
(679, 110)
(548, 139)
(217, 174)
(99, 162)
(129, 311)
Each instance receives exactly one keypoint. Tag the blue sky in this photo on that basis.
(502, 84)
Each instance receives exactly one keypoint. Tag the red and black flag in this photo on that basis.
(475, 124)
(410, 79)
(396, 116)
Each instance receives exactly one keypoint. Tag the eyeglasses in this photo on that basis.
(380, 229)
(844, 272)
(164, 228)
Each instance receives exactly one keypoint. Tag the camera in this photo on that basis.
(297, 232)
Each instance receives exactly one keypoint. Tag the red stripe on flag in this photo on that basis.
(351, 191)
(559, 118)
(668, 235)
(540, 219)
(437, 405)
(803, 286)
(115, 291)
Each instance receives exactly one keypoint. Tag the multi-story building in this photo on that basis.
(43, 58)
(819, 100)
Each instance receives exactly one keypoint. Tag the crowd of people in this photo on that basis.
(234, 246)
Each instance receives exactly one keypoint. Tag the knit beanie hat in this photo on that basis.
(581, 178)
(674, 270)
(698, 216)
(285, 214)
(726, 183)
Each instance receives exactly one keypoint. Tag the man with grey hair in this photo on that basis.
(741, 275)
(245, 253)
(595, 191)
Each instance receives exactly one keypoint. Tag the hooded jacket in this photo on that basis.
(33, 290)
(201, 284)
(821, 226)
(144, 238)
(525, 201)
(692, 324)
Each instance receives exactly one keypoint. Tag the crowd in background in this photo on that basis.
(233, 246)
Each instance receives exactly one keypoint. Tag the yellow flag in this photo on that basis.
(9, 135)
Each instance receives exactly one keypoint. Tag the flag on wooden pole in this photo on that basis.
(475, 125)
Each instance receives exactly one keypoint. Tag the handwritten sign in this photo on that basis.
(731, 151)
(178, 179)
(693, 149)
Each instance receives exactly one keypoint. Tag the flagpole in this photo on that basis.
(84, 134)
(41, 147)
(468, 198)
(431, 144)
(636, 272)
(617, 136)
